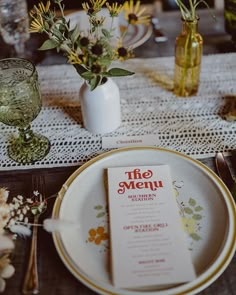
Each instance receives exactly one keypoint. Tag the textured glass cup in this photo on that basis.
(20, 103)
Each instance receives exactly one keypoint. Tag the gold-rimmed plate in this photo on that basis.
(135, 36)
(206, 206)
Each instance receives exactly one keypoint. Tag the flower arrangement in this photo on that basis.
(91, 52)
(15, 219)
(188, 11)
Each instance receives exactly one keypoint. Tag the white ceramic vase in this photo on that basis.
(100, 107)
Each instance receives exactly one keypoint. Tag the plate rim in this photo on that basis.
(138, 43)
(199, 284)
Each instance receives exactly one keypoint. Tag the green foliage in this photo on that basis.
(91, 52)
(189, 12)
(188, 210)
(192, 202)
(48, 44)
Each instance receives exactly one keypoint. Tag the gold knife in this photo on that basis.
(225, 174)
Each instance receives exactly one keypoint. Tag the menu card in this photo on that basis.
(148, 244)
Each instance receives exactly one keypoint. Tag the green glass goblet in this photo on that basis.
(20, 103)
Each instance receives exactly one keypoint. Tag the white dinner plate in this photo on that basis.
(206, 206)
(136, 35)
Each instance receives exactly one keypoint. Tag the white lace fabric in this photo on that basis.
(195, 126)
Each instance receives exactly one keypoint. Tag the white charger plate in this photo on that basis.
(211, 232)
(136, 35)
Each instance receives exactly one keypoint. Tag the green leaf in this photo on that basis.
(80, 69)
(117, 72)
(192, 202)
(75, 34)
(57, 33)
(98, 207)
(106, 33)
(48, 44)
(195, 236)
(95, 82)
(198, 208)
(87, 75)
(105, 61)
(101, 214)
(197, 216)
(188, 210)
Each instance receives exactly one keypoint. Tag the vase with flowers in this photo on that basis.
(91, 52)
(188, 50)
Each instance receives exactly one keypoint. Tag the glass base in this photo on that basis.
(29, 152)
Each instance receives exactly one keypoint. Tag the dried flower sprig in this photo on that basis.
(14, 218)
(90, 52)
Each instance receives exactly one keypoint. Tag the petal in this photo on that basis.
(6, 243)
(8, 271)
(2, 285)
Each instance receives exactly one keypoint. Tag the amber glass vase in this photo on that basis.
(188, 54)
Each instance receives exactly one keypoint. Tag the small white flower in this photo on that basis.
(11, 206)
(6, 243)
(7, 272)
(19, 197)
(28, 200)
(26, 220)
(36, 193)
(21, 217)
(2, 285)
(24, 210)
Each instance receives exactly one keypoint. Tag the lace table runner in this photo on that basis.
(195, 126)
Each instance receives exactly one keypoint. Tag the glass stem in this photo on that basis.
(26, 134)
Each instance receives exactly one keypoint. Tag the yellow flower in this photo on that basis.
(36, 25)
(44, 8)
(122, 52)
(98, 21)
(73, 58)
(133, 13)
(94, 6)
(189, 225)
(114, 9)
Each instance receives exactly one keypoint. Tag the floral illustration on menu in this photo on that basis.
(98, 235)
(191, 214)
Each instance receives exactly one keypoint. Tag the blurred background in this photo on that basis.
(219, 34)
(166, 4)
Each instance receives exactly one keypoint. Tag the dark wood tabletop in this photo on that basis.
(54, 278)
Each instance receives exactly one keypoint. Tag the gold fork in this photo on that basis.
(31, 281)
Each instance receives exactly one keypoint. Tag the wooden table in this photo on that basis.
(54, 278)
